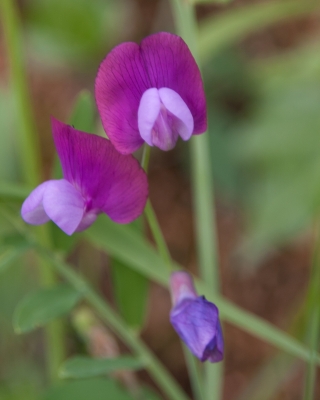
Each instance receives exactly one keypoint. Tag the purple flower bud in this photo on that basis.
(150, 93)
(96, 179)
(195, 319)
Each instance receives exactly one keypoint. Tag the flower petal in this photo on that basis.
(109, 181)
(175, 105)
(170, 64)
(64, 205)
(32, 210)
(120, 83)
(197, 323)
(148, 112)
(163, 60)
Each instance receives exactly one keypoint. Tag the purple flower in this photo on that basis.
(96, 179)
(150, 93)
(195, 319)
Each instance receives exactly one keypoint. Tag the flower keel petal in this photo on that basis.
(64, 204)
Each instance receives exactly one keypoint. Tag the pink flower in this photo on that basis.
(150, 93)
(96, 179)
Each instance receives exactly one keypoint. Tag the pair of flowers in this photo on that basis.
(152, 93)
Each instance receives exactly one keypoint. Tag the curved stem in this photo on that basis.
(30, 158)
(155, 368)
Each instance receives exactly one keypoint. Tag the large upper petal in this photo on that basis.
(120, 83)
(163, 60)
(110, 182)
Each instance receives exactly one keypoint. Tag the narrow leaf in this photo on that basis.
(93, 389)
(43, 305)
(86, 367)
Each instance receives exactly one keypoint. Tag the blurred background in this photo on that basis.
(261, 68)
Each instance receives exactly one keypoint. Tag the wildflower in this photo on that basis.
(150, 93)
(195, 319)
(96, 179)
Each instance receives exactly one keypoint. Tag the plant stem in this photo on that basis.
(152, 218)
(313, 323)
(29, 154)
(193, 370)
(202, 182)
(156, 370)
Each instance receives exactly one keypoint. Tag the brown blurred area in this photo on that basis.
(273, 291)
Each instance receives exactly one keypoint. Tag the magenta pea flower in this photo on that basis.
(150, 93)
(96, 179)
(195, 319)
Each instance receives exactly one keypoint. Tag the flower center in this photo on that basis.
(163, 116)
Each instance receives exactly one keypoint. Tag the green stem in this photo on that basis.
(313, 324)
(194, 373)
(156, 370)
(29, 154)
(157, 235)
(202, 182)
(152, 218)
(145, 157)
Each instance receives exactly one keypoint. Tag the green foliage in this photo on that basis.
(85, 367)
(44, 305)
(80, 33)
(93, 389)
(130, 287)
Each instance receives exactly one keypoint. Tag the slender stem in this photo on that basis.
(145, 157)
(202, 182)
(194, 373)
(152, 218)
(313, 324)
(29, 154)
(157, 235)
(114, 321)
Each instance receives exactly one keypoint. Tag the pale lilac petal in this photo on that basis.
(176, 106)
(170, 64)
(109, 181)
(32, 208)
(181, 287)
(120, 83)
(87, 220)
(64, 205)
(148, 112)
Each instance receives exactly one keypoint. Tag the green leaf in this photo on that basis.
(229, 28)
(125, 244)
(93, 389)
(86, 367)
(130, 287)
(43, 305)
